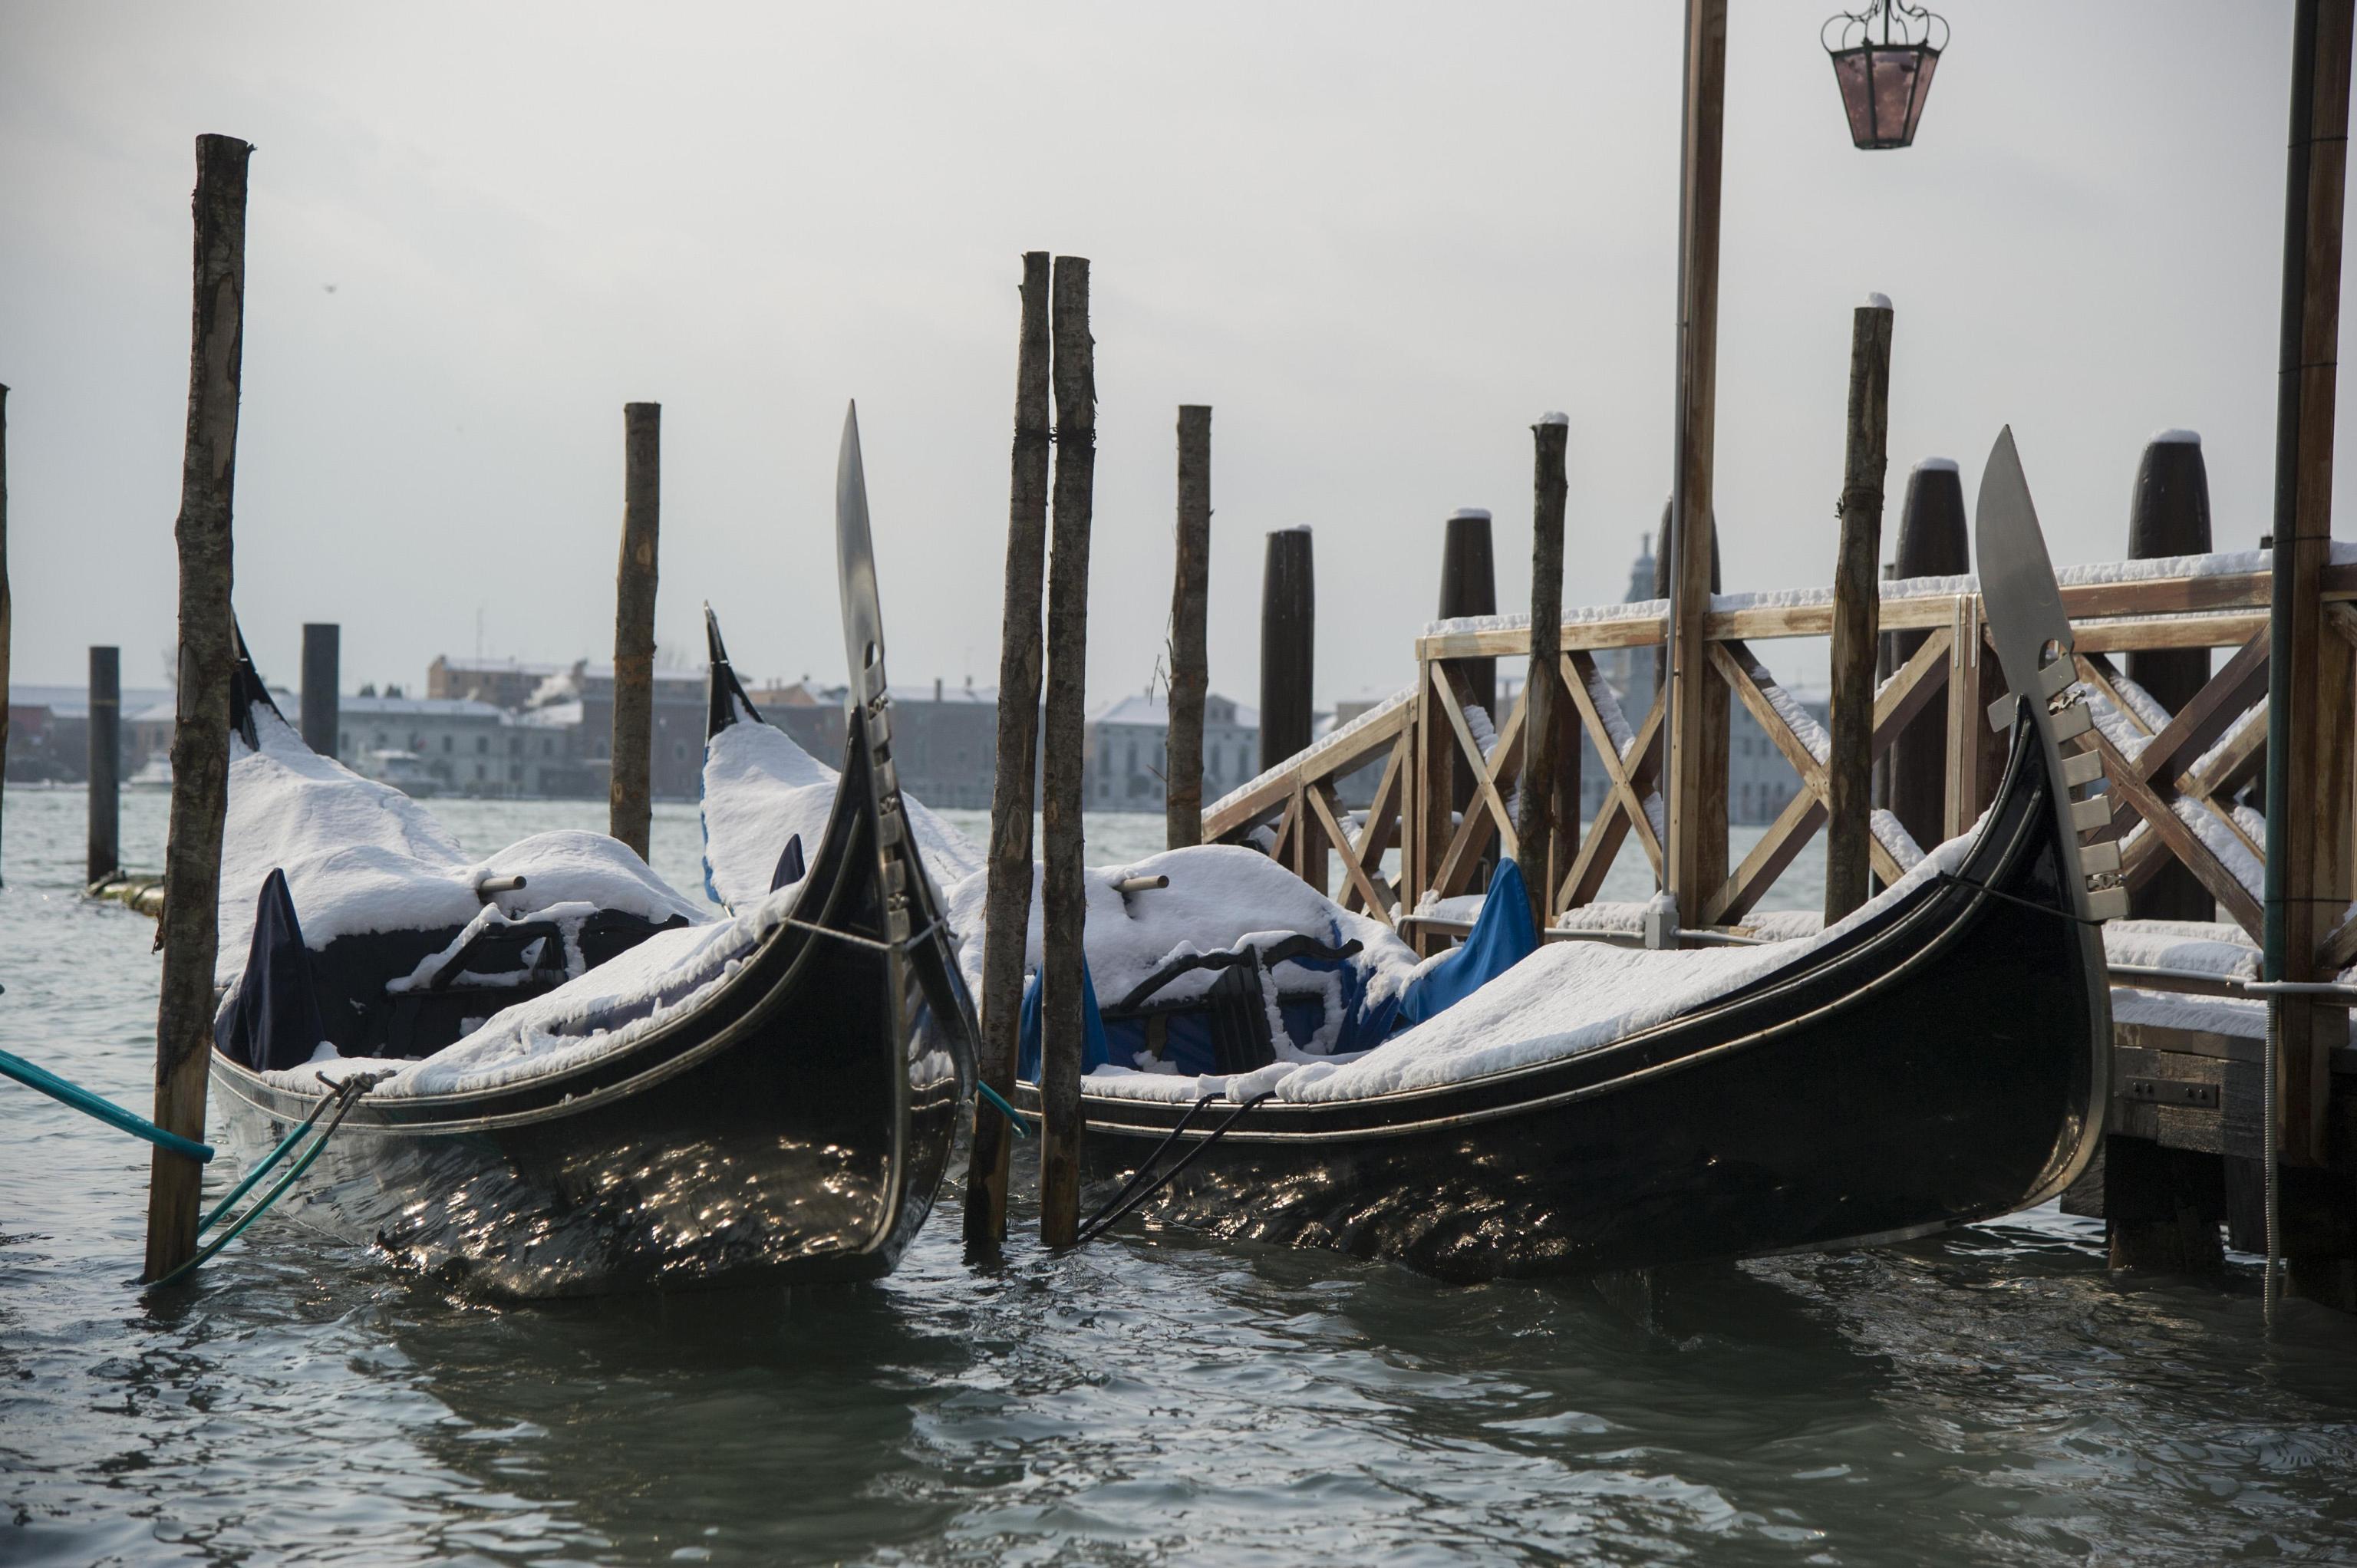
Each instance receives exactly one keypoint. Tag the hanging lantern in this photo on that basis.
(1884, 81)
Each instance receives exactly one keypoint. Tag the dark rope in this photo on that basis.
(1099, 1226)
(2030, 904)
(1145, 1167)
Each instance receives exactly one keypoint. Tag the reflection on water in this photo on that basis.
(1989, 1397)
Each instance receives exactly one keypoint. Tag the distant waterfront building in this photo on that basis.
(1123, 764)
(944, 738)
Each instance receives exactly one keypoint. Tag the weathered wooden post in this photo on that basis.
(631, 790)
(1857, 614)
(2169, 515)
(1062, 1009)
(1190, 593)
(1934, 540)
(1695, 779)
(6, 610)
(104, 748)
(1543, 816)
(1288, 636)
(1008, 898)
(2308, 871)
(322, 673)
(1716, 766)
(188, 929)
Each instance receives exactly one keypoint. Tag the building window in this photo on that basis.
(446, 747)
(481, 772)
(482, 745)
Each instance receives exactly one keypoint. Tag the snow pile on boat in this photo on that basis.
(1220, 897)
(605, 1010)
(360, 856)
(1564, 1000)
(760, 790)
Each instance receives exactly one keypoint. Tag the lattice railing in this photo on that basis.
(2173, 776)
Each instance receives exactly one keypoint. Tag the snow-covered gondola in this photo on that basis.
(585, 1083)
(1938, 1058)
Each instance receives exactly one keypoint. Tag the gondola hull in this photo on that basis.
(792, 1128)
(1943, 1064)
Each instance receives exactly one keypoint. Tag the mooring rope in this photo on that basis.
(66, 1092)
(1015, 1117)
(262, 1168)
(1098, 1227)
(347, 1095)
(1145, 1167)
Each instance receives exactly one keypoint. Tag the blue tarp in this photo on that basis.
(1094, 1052)
(1501, 937)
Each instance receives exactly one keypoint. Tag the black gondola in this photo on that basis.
(792, 1125)
(1942, 1061)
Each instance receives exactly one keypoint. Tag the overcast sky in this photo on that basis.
(1380, 240)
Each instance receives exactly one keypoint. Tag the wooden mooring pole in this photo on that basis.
(1694, 779)
(1062, 1009)
(1548, 824)
(1190, 593)
(104, 773)
(187, 930)
(2169, 515)
(630, 789)
(322, 673)
(2308, 872)
(1857, 610)
(1007, 894)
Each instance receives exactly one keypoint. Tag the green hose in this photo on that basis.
(106, 1110)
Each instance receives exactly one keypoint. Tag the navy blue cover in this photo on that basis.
(1501, 937)
(275, 1022)
(1094, 1050)
(791, 867)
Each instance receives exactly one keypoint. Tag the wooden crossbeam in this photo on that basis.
(1354, 871)
(1487, 815)
(1244, 809)
(2178, 836)
(1902, 697)
(1385, 825)
(1631, 778)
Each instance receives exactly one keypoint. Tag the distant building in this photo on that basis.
(1124, 762)
(48, 732)
(944, 738)
(506, 684)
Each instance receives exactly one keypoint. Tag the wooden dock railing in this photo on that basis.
(2173, 776)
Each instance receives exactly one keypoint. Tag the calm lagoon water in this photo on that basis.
(1989, 1397)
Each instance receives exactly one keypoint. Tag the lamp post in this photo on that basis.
(1884, 81)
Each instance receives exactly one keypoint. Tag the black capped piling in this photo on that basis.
(2169, 515)
(1289, 635)
(1934, 540)
(630, 788)
(322, 671)
(103, 772)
